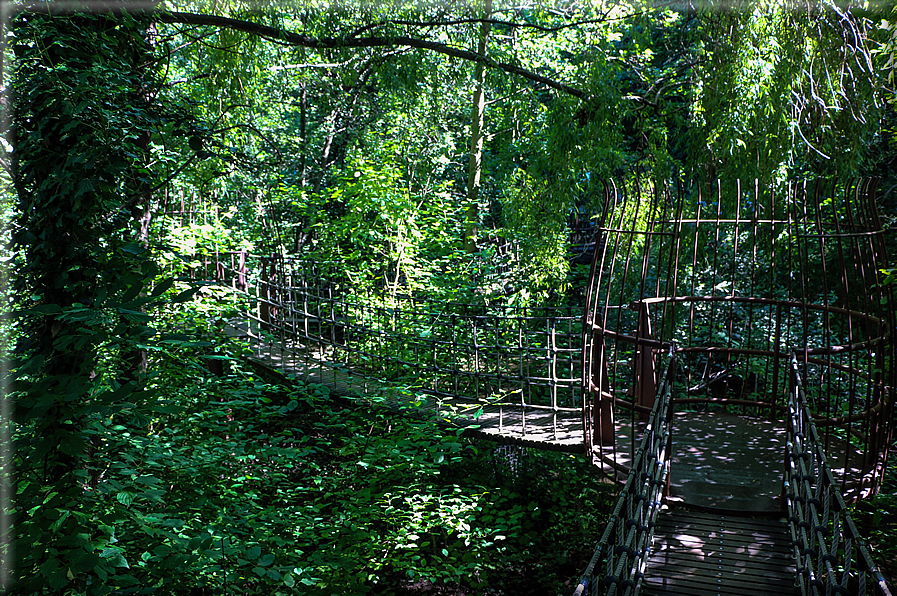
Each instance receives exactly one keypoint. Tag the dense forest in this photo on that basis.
(436, 150)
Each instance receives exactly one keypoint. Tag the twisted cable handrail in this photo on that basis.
(831, 556)
(622, 553)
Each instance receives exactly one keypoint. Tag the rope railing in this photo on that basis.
(466, 356)
(831, 556)
(618, 564)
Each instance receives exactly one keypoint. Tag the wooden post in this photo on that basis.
(264, 298)
(603, 406)
(878, 426)
(241, 272)
(645, 370)
(775, 364)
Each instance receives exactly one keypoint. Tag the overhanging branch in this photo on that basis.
(300, 39)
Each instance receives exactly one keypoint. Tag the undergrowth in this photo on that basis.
(229, 485)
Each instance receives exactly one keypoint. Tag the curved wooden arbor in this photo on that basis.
(775, 396)
(732, 279)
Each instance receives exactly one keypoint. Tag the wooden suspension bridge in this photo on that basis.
(734, 369)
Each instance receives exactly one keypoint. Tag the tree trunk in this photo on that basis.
(477, 115)
(303, 132)
(136, 359)
(74, 238)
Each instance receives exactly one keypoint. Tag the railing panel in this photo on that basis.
(618, 563)
(483, 354)
(831, 556)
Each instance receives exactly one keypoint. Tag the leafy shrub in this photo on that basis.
(229, 485)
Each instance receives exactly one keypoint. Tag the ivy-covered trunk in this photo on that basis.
(80, 175)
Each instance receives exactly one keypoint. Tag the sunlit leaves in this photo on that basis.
(772, 106)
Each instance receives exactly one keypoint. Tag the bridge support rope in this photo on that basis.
(831, 556)
(622, 553)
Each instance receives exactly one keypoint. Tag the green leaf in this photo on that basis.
(162, 287)
(162, 550)
(114, 555)
(57, 579)
(133, 248)
(184, 296)
(135, 315)
(63, 515)
(40, 309)
(72, 445)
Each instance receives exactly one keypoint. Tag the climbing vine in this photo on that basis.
(83, 116)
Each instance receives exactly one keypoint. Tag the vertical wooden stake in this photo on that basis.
(264, 297)
(645, 371)
(603, 406)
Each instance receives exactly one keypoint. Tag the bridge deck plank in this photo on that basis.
(698, 553)
(726, 461)
(735, 463)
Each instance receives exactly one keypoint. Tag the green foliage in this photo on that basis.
(770, 104)
(540, 226)
(228, 484)
(169, 479)
(82, 122)
(876, 520)
(377, 230)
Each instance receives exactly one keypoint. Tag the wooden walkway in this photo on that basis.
(735, 463)
(709, 554)
(728, 462)
(720, 461)
(726, 533)
(554, 430)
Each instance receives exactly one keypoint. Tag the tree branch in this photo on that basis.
(494, 22)
(300, 39)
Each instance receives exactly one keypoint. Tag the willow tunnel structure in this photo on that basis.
(732, 279)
